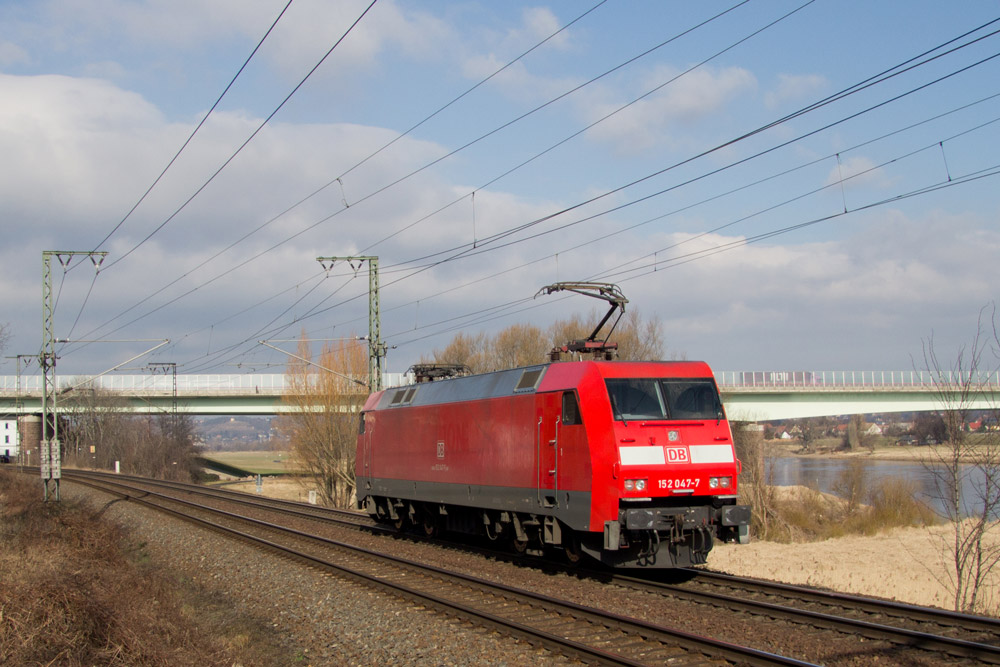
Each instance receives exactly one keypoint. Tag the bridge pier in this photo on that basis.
(29, 434)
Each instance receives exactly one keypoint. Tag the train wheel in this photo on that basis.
(571, 547)
(430, 526)
(520, 546)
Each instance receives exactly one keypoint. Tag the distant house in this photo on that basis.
(9, 440)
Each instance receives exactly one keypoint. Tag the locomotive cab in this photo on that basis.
(675, 469)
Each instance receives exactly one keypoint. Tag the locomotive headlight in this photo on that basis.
(635, 485)
(716, 482)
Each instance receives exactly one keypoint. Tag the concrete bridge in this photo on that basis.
(748, 395)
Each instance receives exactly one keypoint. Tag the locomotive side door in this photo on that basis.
(367, 454)
(547, 409)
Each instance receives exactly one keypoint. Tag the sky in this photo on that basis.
(783, 185)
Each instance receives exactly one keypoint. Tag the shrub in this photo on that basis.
(77, 591)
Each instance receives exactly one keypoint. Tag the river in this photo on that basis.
(823, 474)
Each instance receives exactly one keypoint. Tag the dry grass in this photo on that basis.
(286, 487)
(77, 591)
(802, 514)
(860, 504)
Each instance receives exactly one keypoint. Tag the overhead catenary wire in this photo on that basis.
(257, 131)
(726, 144)
(825, 127)
(195, 130)
(652, 267)
(266, 332)
(370, 156)
(605, 236)
(759, 212)
(507, 308)
(482, 243)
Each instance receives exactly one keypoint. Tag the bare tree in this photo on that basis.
(852, 484)
(857, 435)
(517, 345)
(4, 336)
(97, 430)
(811, 429)
(465, 350)
(524, 344)
(966, 470)
(930, 428)
(321, 425)
(755, 475)
(172, 448)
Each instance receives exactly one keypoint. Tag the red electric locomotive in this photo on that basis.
(631, 463)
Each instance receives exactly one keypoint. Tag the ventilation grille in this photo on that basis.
(529, 380)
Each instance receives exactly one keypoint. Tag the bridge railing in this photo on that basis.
(272, 383)
(852, 379)
(276, 383)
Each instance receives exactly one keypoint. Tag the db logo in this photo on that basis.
(677, 455)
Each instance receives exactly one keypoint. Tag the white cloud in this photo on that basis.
(68, 141)
(539, 23)
(105, 69)
(856, 172)
(682, 103)
(697, 93)
(794, 87)
(518, 81)
(12, 54)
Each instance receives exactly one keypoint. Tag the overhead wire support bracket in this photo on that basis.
(49, 450)
(376, 348)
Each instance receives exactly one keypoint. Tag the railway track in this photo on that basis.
(288, 507)
(906, 629)
(966, 627)
(952, 634)
(588, 634)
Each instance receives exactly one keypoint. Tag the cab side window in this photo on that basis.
(570, 409)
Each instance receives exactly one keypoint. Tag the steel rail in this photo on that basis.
(292, 507)
(987, 653)
(942, 617)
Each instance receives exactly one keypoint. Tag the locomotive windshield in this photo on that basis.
(660, 398)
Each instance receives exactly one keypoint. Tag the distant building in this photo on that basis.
(9, 439)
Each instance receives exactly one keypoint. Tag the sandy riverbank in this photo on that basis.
(916, 454)
(904, 564)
